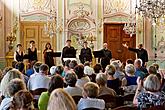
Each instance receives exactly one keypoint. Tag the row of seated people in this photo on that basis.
(95, 89)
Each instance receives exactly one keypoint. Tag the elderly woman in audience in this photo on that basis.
(112, 82)
(22, 100)
(118, 74)
(55, 82)
(12, 74)
(72, 89)
(13, 87)
(90, 73)
(82, 79)
(101, 80)
(52, 70)
(61, 100)
(129, 83)
(151, 96)
(89, 100)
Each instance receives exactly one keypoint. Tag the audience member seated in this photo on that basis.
(29, 70)
(140, 71)
(66, 67)
(13, 87)
(98, 68)
(82, 79)
(39, 80)
(151, 96)
(89, 100)
(112, 82)
(21, 67)
(55, 82)
(152, 70)
(156, 66)
(101, 80)
(118, 74)
(5, 70)
(72, 64)
(13, 63)
(22, 100)
(87, 63)
(61, 100)
(129, 83)
(59, 70)
(129, 61)
(72, 89)
(90, 73)
(12, 74)
(52, 70)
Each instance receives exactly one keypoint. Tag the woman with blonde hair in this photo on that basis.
(12, 74)
(60, 100)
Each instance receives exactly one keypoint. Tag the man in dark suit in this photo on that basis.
(107, 56)
(85, 54)
(68, 51)
(141, 53)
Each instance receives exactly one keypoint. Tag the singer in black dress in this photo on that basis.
(32, 52)
(48, 55)
(19, 55)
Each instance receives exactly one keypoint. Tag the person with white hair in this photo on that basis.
(140, 71)
(90, 73)
(53, 70)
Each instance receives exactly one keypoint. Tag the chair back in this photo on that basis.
(126, 108)
(110, 101)
(156, 108)
(37, 92)
(76, 98)
(128, 99)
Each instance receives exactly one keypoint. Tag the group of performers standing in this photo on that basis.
(70, 52)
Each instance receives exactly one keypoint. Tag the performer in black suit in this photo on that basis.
(68, 51)
(85, 54)
(107, 56)
(32, 52)
(48, 55)
(141, 53)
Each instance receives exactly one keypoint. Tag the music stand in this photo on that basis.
(98, 54)
(57, 54)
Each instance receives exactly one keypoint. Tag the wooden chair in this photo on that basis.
(156, 108)
(110, 101)
(128, 99)
(36, 94)
(126, 108)
(76, 98)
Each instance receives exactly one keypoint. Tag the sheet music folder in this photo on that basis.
(57, 54)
